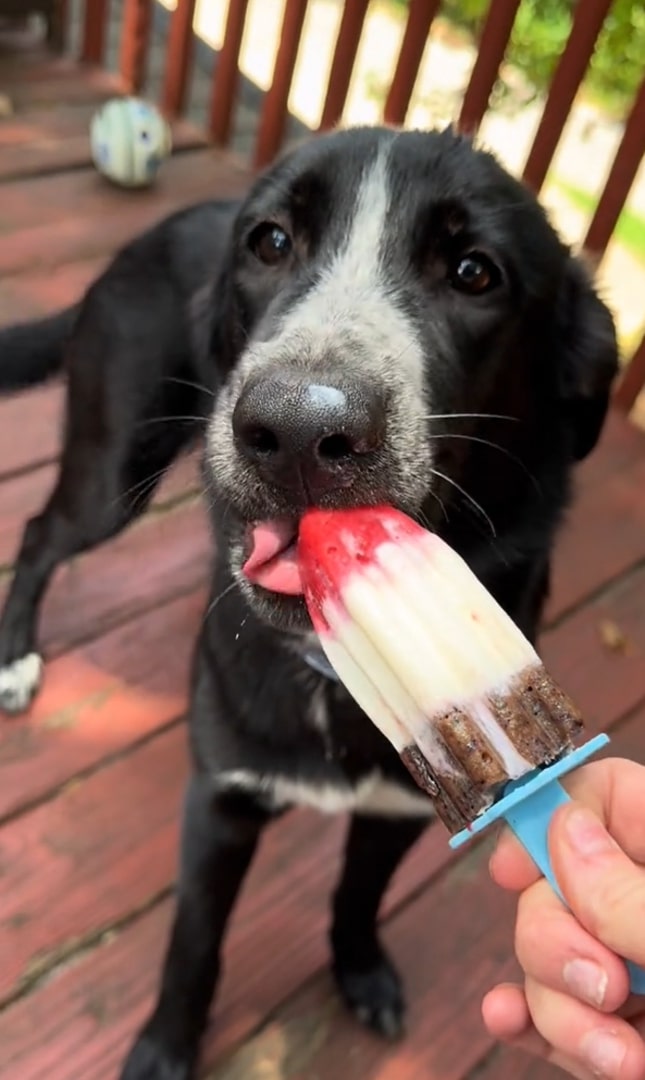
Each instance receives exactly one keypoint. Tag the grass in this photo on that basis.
(630, 230)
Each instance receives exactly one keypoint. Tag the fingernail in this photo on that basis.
(587, 834)
(586, 980)
(604, 1053)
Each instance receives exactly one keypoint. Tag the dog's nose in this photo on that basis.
(302, 431)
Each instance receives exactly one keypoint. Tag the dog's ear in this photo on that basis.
(201, 320)
(210, 316)
(588, 353)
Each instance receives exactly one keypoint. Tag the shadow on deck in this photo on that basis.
(91, 781)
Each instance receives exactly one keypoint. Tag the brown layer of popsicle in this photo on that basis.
(537, 716)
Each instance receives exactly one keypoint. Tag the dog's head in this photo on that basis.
(397, 322)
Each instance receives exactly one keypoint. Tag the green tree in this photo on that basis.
(540, 33)
(618, 65)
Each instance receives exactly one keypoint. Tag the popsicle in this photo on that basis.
(444, 673)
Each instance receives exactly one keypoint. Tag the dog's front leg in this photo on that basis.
(219, 839)
(367, 979)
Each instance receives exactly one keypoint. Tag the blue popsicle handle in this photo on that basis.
(528, 806)
(529, 820)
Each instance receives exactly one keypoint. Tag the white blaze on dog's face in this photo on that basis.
(338, 319)
(378, 280)
(352, 316)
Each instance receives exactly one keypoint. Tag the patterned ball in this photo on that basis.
(129, 141)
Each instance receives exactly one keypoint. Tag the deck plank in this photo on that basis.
(99, 700)
(33, 78)
(24, 495)
(21, 497)
(606, 681)
(163, 556)
(605, 532)
(41, 292)
(287, 891)
(45, 140)
(44, 222)
(89, 857)
(466, 925)
(506, 1064)
(30, 425)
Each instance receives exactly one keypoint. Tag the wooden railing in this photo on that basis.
(588, 20)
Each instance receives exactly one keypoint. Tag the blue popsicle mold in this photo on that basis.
(527, 807)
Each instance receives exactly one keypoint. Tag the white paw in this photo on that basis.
(19, 682)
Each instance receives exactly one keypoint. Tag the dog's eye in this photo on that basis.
(270, 243)
(474, 274)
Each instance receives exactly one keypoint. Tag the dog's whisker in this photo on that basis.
(214, 603)
(494, 446)
(423, 517)
(192, 385)
(139, 500)
(401, 354)
(139, 489)
(470, 416)
(172, 420)
(142, 490)
(473, 502)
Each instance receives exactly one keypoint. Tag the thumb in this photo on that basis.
(603, 887)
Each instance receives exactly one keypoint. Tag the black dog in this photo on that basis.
(389, 318)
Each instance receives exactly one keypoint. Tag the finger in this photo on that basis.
(613, 789)
(510, 866)
(556, 951)
(571, 1067)
(606, 1046)
(506, 1014)
(507, 1018)
(603, 887)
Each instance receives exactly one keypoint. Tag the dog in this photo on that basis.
(387, 318)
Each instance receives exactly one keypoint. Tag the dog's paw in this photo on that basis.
(149, 1060)
(375, 997)
(19, 683)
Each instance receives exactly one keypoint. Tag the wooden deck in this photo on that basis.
(90, 782)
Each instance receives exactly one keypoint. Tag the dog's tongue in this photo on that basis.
(273, 562)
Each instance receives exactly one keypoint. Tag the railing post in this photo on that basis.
(490, 53)
(588, 20)
(621, 177)
(179, 54)
(632, 380)
(95, 24)
(420, 16)
(342, 66)
(135, 40)
(274, 111)
(226, 77)
(57, 25)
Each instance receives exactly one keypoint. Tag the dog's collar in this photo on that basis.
(319, 663)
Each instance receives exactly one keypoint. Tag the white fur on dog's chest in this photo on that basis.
(373, 794)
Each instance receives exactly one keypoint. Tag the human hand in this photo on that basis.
(575, 1008)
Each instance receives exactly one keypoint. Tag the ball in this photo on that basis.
(130, 140)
